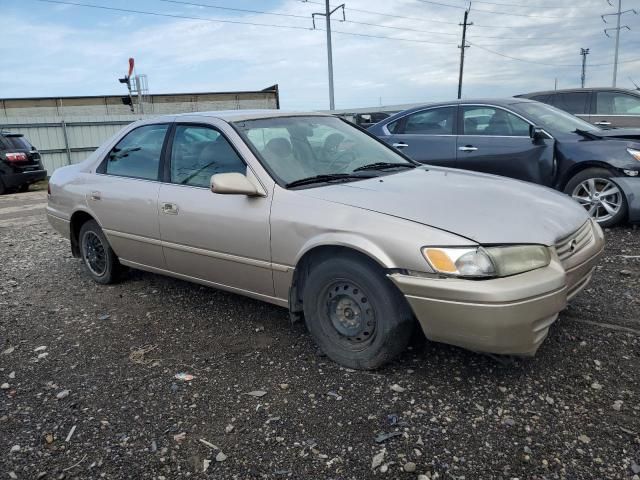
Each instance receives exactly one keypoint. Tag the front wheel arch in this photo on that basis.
(315, 256)
(579, 167)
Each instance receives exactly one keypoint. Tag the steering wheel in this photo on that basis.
(342, 161)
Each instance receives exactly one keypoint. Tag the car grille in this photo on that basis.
(575, 242)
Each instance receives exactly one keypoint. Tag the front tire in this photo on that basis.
(23, 188)
(603, 199)
(99, 259)
(354, 313)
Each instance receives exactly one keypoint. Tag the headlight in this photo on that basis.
(634, 153)
(489, 262)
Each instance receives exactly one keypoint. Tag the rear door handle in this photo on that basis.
(468, 148)
(399, 145)
(169, 208)
(603, 123)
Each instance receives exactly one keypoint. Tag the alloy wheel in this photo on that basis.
(600, 197)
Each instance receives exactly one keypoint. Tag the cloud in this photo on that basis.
(84, 51)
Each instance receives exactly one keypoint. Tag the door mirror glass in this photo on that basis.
(234, 184)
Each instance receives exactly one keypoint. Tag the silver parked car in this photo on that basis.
(313, 214)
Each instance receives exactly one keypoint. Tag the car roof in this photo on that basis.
(499, 102)
(572, 90)
(240, 115)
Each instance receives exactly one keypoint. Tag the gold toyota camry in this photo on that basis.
(308, 212)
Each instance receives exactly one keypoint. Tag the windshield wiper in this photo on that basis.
(587, 134)
(327, 177)
(384, 165)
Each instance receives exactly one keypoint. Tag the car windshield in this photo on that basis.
(300, 147)
(553, 119)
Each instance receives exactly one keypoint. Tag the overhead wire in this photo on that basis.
(482, 47)
(305, 17)
(235, 22)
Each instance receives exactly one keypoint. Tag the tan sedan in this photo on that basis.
(313, 214)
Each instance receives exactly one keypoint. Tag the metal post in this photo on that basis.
(463, 46)
(327, 13)
(66, 141)
(618, 27)
(615, 60)
(584, 52)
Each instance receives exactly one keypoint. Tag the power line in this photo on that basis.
(518, 5)
(493, 12)
(235, 22)
(304, 17)
(418, 19)
(547, 64)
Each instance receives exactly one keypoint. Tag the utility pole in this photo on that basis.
(617, 28)
(462, 47)
(327, 14)
(584, 52)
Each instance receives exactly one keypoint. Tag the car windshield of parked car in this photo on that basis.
(552, 119)
(299, 147)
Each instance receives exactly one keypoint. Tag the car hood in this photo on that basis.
(484, 208)
(621, 133)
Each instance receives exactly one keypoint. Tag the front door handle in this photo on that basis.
(95, 196)
(169, 208)
(468, 148)
(399, 145)
(603, 123)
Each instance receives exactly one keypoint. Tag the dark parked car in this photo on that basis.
(605, 107)
(530, 141)
(20, 163)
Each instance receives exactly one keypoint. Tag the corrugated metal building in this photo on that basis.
(158, 104)
(66, 129)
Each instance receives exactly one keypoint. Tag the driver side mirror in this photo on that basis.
(537, 133)
(234, 183)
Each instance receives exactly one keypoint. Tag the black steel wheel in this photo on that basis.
(98, 257)
(355, 314)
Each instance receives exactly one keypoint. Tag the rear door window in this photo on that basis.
(436, 121)
(616, 103)
(572, 102)
(137, 155)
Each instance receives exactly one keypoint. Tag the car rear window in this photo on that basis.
(18, 142)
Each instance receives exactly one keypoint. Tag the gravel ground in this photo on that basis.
(89, 387)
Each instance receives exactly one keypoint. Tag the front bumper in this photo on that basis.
(14, 180)
(631, 188)
(505, 315)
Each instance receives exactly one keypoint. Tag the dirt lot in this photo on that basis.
(88, 387)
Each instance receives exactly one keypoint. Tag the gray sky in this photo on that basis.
(58, 49)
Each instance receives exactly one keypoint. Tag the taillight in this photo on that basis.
(16, 157)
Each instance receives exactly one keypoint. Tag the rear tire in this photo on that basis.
(587, 186)
(99, 259)
(354, 313)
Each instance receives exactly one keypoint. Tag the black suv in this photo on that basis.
(20, 163)
(604, 107)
